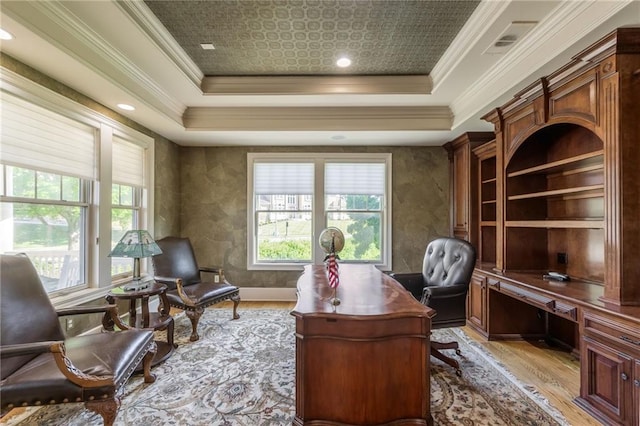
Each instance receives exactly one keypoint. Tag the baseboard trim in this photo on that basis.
(270, 294)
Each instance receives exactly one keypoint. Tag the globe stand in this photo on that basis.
(334, 300)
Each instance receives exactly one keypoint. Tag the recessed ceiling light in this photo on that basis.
(207, 46)
(5, 35)
(126, 107)
(343, 62)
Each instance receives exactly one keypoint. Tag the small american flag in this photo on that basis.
(332, 266)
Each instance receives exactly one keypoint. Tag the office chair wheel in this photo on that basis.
(459, 372)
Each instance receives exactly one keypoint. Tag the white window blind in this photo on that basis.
(354, 178)
(128, 162)
(283, 178)
(36, 138)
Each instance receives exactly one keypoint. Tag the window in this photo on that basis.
(293, 198)
(44, 215)
(62, 194)
(125, 215)
(126, 197)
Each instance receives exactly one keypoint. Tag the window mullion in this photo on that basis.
(319, 211)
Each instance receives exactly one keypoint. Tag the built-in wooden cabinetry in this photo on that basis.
(464, 214)
(559, 190)
(485, 156)
(611, 379)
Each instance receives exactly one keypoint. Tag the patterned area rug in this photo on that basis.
(242, 373)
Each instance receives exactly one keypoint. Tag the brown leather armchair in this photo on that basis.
(177, 268)
(443, 285)
(40, 366)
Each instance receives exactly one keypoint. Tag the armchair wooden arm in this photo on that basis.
(32, 348)
(213, 270)
(178, 284)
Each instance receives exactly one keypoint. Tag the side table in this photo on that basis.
(160, 320)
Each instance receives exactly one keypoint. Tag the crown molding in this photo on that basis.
(567, 23)
(318, 85)
(53, 21)
(482, 18)
(317, 118)
(140, 13)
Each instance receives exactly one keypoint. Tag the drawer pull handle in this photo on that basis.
(637, 383)
(630, 340)
(624, 376)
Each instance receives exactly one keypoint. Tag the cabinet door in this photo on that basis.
(461, 190)
(607, 381)
(477, 300)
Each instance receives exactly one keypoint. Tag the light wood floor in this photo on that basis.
(555, 373)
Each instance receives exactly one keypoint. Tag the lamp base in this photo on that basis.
(135, 286)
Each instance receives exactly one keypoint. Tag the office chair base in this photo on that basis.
(435, 351)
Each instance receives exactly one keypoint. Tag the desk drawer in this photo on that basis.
(567, 311)
(614, 331)
(527, 296)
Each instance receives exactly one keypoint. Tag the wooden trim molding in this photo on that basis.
(318, 85)
(318, 118)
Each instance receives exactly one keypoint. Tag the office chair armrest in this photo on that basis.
(442, 292)
(413, 282)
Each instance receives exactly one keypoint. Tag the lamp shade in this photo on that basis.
(136, 243)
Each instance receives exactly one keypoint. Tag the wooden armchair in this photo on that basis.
(40, 366)
(177, 268)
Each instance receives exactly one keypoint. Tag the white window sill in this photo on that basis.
(86, 295)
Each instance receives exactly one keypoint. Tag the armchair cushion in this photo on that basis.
(202, 293)
(100, 354)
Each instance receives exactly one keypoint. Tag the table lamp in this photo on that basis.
(136, 243)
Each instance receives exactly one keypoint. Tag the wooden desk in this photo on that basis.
(366, 361)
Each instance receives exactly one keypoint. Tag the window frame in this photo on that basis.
(319, 210)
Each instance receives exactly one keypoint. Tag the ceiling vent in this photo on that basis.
(509, 37)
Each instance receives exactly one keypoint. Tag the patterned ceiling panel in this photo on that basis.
(306, 37)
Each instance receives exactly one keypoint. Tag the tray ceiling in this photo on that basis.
(423, 72)
(306, 37)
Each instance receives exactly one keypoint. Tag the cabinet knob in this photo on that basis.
(637, 383)
(624, 376)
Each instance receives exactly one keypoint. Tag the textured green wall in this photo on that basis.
(214, 206)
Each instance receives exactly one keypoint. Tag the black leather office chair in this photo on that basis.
(442, 285)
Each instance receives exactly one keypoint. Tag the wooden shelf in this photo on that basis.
(579, 223)
(489, 180)
(487, 223)
(594, 158)
(553, 192)
(489, 202)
